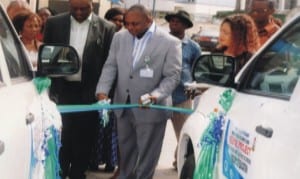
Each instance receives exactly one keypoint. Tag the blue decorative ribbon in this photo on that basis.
(97, 107)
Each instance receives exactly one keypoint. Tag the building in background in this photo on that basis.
(196, 6)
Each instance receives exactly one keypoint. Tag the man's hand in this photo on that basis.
(146, 100)
(102, 96)
(103, 113)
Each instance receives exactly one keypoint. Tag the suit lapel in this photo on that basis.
(93, 29)
(129, 45)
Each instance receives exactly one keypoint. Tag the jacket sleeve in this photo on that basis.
(171, 70)
(109, 71)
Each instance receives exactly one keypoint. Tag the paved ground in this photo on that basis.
(164, 169)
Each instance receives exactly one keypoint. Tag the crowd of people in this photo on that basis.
(126, 57)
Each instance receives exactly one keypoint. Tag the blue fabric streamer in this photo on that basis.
(32, 158)
(211, 139)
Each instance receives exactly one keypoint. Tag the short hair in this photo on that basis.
(19, 3)
(47, 8)
(20, 19)
(140, 8)
(15, 7)
(112, 12)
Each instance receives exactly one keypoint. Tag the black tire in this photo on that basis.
(188, 168)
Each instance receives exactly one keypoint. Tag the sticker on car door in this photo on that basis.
(238, 149)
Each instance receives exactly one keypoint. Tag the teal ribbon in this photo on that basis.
(97, 106)
(41, 83)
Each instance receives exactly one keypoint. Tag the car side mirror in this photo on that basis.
(57, 60)
(215, 69)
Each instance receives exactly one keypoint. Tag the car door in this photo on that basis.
(261, 133)
(16, 94)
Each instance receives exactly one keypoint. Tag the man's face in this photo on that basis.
(44, 15)
(260, 11)
(136, 22)
(80, 9)
(176, 26)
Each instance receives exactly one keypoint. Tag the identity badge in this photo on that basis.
(146, 73)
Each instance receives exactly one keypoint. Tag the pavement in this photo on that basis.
(164, 169)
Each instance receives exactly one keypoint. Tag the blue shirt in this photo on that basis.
(190, 52)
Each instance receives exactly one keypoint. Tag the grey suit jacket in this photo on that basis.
(165, 55)
(100, 34)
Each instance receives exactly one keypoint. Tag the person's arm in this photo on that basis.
(109, 72)
(171, 71)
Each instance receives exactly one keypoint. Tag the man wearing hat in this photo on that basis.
(178, 23)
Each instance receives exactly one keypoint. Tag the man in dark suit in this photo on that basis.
(91, 36)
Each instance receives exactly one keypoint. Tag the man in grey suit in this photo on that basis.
(146, 62)
(91, 36)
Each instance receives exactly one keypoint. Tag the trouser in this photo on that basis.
(78, 129)
(78, 135)
(178, 120)
(140, 146)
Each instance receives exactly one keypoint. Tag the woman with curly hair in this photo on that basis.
(238, 38)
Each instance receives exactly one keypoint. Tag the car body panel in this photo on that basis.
(260, 130)
(15, 134)
(19, 100)
(15, 94)
(246, 114)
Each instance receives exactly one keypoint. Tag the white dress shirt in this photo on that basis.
(139, 45)
(78, 36)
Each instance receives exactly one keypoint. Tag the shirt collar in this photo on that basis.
(150, 31)
(152, 28)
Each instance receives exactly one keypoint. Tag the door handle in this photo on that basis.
(29, 118)
(2, 147)
(265, 131)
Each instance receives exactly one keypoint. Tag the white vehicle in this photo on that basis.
(17, 92)
(258, 111)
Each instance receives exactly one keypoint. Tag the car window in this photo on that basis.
(277, 69)
(11, 48)
(213, 69)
